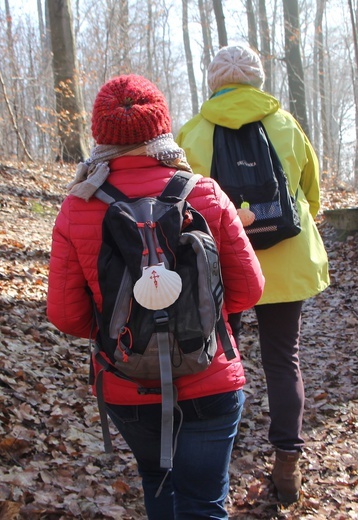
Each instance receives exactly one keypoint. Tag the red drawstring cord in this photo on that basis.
(125, 330)
(167, 244)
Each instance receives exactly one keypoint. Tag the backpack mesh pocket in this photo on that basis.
(267, 210)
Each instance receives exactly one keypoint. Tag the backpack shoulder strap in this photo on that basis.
(181, 184)
(276, 162)
(108, 193)
(273, 153)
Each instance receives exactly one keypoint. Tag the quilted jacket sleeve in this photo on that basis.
(241, 270)
(69, 305)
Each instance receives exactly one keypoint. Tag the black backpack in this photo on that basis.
(160, 279)
(247, 167)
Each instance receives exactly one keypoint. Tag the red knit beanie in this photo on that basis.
(129, 109)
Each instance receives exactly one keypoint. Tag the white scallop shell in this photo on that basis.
(157, 288)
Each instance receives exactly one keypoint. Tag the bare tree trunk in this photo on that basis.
(273, 46)
(207, 43)
(321, 4)
(69, 104)
(106, 46)
(44, 37)
(47, 29)
(293, 60)
(251, 24)
(123, 36)
(10, 40)
(164, 67)
(149, 40)
(316, 135)
(265, 45)
(41, 21)
(42, 96)
(355, 86)
(220, 22)
(14, 94)
(77, 17)
(189, 60)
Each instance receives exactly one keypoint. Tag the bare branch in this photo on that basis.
(17, 131)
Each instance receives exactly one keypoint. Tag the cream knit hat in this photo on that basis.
(236, 64)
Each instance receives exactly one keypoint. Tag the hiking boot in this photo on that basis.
(286, 476)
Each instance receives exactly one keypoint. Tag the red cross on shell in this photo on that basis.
(158, 287)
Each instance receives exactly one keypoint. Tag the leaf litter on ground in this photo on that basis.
(53, 465)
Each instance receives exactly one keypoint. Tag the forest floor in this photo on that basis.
(52, 462)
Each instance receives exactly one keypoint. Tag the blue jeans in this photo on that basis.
(198, 484)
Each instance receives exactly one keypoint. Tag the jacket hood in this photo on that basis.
(235, 105)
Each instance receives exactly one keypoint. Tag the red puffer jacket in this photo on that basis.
(73, 267)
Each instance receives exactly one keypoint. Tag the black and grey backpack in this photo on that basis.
(160, 279)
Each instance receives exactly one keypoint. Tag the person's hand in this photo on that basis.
(246, 216)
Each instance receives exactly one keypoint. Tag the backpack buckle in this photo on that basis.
(161, 320)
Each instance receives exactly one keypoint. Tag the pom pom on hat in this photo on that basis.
(237, 64)
(129, 109)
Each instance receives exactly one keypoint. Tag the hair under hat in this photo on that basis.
(129, 109)
(236, 64)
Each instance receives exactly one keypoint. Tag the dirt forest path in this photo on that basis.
(52, 465)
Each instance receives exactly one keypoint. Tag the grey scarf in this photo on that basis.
(95, 170)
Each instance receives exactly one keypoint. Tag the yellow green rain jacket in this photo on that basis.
(296, 268)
